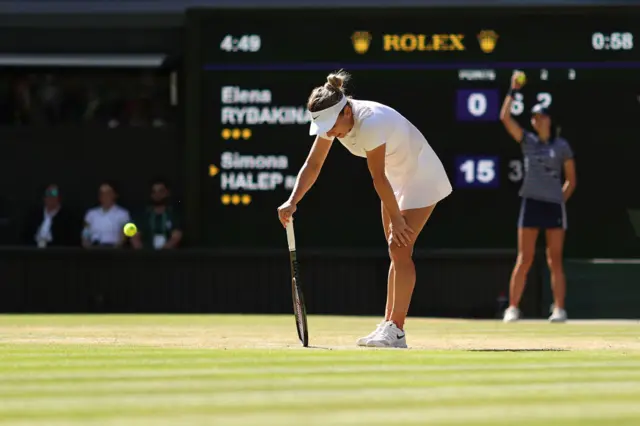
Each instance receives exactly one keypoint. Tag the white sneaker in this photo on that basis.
(389, 336)
(558, 315)
(363, 340)
(512, 314)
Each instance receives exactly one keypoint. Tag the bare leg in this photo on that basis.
(386, 221)
(555, 244)
(391, 289)
(404, 268)
(526, 251)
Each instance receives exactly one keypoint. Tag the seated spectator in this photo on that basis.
(104, 225)
(51, 225)
(159, 227)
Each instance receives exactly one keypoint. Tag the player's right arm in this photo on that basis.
(310, 169)
(512, 126)
(307, 176)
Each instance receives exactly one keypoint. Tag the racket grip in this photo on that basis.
(291, 238)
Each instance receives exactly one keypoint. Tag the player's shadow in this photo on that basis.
(519, 350)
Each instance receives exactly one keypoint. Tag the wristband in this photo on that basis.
(512, 92)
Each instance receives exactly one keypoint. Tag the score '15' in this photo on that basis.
(481, 171)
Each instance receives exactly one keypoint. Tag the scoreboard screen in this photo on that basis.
(448, 72)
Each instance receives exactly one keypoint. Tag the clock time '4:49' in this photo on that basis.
(243, 43)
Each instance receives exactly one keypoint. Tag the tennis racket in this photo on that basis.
(299, 309)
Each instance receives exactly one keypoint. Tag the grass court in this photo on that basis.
(251, 370)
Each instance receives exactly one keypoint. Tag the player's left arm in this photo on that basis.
(375, 162)
(570, 178)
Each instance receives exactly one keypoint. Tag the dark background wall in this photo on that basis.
(176, 6)
(196, 281)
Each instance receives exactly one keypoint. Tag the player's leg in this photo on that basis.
(405, 271)
(403, 282)
(555, 245)
(526, 253)
(528, 226)
(386, 222)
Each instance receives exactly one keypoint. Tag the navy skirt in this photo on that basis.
(542, 214)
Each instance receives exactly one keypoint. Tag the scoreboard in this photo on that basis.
(447, 71)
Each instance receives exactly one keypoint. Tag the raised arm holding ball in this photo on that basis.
(546, 157)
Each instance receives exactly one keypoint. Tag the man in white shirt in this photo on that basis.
(104, 224)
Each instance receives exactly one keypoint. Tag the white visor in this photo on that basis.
(323, 121)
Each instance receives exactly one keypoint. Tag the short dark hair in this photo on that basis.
(110, 183)
(160, 181)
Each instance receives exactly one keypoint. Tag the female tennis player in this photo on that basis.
(407, 175)
(544, 196)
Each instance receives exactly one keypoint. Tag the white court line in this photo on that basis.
(613, 261)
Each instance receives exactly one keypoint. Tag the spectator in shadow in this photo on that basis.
(51, 225)
(104, 225)
(159, 227)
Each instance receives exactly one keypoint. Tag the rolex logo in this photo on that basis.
(487, 40)
(361, 41)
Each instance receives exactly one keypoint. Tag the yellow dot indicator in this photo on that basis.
(226, 134)
(226, 199)
(246, 199)
(246, 134)
(235, 133)
(213, 170)
(235, 199)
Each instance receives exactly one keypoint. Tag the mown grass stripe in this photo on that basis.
(299, 384)
(615, 390)
(320, 369)
(80, 356)
(158, 408)
(35, 388)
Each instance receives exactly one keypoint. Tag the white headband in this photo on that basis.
(322, 121)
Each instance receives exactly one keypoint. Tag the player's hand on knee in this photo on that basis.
(401, 234)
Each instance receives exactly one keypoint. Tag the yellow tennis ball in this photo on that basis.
(521, 78)
(130, 229)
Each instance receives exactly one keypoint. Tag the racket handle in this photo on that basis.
(291, 238)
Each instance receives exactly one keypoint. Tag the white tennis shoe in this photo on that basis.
(558, 315)
(512, 314)
(389, 336)
(364, 340)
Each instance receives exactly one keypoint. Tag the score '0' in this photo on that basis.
(477, 104)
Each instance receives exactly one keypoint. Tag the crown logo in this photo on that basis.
(361, 41)
(487, 40)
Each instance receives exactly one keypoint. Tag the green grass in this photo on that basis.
(250, 370)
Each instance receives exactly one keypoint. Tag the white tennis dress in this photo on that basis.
(414, 170)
